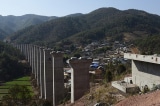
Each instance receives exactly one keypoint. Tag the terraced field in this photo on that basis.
(20, 81)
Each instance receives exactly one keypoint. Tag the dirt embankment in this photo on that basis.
(150, 99)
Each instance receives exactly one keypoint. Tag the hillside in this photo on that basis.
(149, 45)
(102, 24)
(15, 23)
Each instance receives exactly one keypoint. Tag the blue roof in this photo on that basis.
(94, 64)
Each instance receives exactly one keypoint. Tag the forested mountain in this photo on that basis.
(10, 24)
(104, 23)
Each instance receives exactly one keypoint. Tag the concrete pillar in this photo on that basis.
(38, 65)
(29, 59)
(18, 46)
(48, 75)
(21, 48)
(28, 53)
(32, 47)
(42, 92)
(25, 50)
(58, 77)
(35, 61)
(30, 56)
(79, 77)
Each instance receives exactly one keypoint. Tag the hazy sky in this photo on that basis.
(66, 7)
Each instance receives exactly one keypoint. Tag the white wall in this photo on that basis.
(144, 73)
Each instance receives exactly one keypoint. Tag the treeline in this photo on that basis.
(10, 66)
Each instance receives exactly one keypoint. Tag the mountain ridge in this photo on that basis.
(14, 23)
(100, 24)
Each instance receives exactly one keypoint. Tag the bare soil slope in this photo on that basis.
(150, 99)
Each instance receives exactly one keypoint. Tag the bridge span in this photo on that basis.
(47, 68)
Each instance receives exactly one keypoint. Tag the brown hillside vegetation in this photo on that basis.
(150, 99)
(135, 50)
(130, 36)
(98, 94)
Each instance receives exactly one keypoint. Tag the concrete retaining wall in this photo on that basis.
(144, 73)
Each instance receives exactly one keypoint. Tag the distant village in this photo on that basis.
(114, 51)
(114, 55)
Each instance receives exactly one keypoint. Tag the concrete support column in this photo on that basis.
(48, 75)
(28, 53)
(18, 46)
(35, 61)
(30, 56)
(42, 92)
(79, 77)
(32, 47)
(58, 77)
(21, 48)
(38, 65)
(25, 51)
